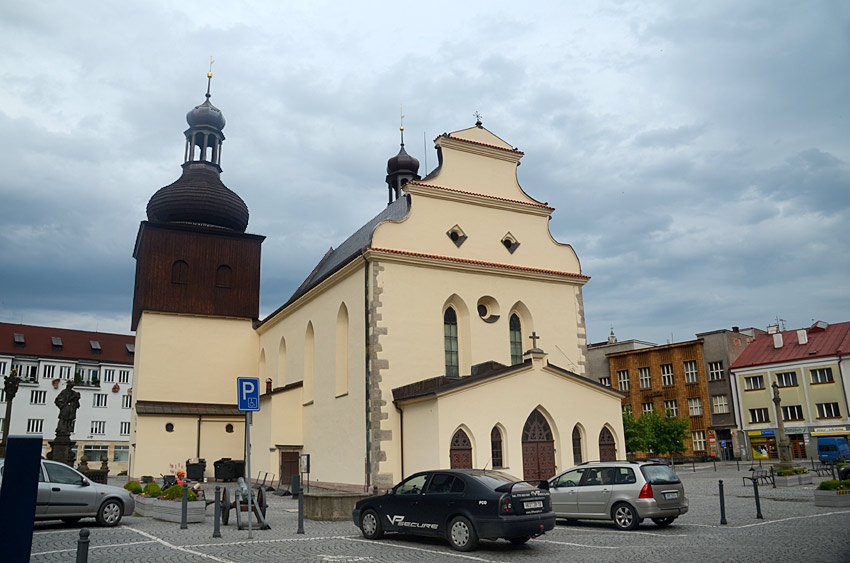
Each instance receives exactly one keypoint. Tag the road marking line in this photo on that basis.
(91, 547)
(579, 544)
(279, 540)
(179, 548)
(434, 551)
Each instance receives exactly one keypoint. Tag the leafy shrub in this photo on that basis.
(834, 485)
(800, 470)
(782, 472)
(134, 487)
(175, 492)
(153, 490)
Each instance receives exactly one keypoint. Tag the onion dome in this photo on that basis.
(199, 196)
(401, 169)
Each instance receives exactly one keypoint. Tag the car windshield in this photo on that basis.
(828, 448)
(494, 479)
(659, 475)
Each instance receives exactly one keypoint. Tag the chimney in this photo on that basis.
(736, 329)
(802, 337)
(777, 340)
(772, 329)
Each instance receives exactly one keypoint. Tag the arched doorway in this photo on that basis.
(607, 449)
(538, 448)
(460, 451)
(576, 445)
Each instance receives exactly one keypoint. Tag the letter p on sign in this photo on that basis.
(248, 393)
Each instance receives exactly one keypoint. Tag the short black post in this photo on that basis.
(714, 461)
(374, 490)
(758, 503)
(759, 463)
(296, 490)
(737, 465)
(693, 466)
(772, 477)
(184, 509)
(722, 504)
(217, 518)
(83, 546)
(832, 467)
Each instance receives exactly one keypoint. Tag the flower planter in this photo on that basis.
(170, 510)
(787, 480)
(832, 498)
(805, 478)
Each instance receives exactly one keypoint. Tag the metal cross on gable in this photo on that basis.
(534, 338)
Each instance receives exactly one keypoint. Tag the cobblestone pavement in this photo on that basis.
(793, 528)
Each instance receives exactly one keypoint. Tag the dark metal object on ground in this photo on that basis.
(83, 546)
(722, 504)
(258, 508)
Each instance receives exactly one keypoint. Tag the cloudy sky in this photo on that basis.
(697, 153)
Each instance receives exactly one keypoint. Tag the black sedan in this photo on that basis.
(463, 505)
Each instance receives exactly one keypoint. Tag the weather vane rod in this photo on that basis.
(209, 76)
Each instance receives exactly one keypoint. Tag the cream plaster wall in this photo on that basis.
(331, 428)
(278, 423)
(508, 401)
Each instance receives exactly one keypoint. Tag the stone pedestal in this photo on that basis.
(61, 449)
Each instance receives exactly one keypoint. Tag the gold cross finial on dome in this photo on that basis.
(401, 122)
(209, 76)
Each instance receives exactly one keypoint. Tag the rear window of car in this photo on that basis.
(494, 479)
(659, 475)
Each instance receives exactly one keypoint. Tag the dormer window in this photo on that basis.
(456, 235)
(56, 342)
(510, 242)
(20, 340)
(95, 347)
(131, 349)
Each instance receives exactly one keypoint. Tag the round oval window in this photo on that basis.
(169, 427)
(229, 428)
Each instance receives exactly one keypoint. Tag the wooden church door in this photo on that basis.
(461, 451)
(607, 451)
(538, 448)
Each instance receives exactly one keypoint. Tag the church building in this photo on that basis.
(448, 331)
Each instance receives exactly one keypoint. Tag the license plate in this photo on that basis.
(672, 495)
(533, 504)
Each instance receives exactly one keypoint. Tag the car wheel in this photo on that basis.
(625, 517)
(663, 522)
(462, 536)
(520, 540)
(71, 519)
(370, 525)
(844, 473)
(109, 513)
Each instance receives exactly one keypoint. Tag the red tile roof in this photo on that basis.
(450, 136)
(481, 263)
(75, 343)
(833, 340)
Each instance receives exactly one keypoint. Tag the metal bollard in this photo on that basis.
(758, 503)
(296, 490)
(832, 467)
(217, 519)
(772, 477)
(83, 546)
(374, 490)
(185, 508)
(722, 504)
(737, 465)
(714, 461)
(693, 466)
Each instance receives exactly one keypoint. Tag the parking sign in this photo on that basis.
(248, 393)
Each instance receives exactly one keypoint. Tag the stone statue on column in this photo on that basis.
(68, 401)
(784, 445)
(10, 387)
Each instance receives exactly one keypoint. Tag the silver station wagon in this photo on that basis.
(623, 491)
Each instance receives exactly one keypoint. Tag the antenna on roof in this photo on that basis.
(425, 152)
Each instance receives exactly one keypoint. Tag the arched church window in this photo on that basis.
(496, 447)
(223, 276)
(450, 337)
(180, 272)
(576, 445)
(515, 327)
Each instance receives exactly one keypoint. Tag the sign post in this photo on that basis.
(248, 401)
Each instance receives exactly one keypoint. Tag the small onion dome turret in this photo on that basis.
(206, 114)
(402, 162)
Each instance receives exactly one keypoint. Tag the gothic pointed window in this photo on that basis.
(516, 339)
(496, 447)
(450, 337)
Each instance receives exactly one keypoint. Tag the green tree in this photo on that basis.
(655, 434)
(631, 429)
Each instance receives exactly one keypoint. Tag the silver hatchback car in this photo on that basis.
(66, 494)
(623, 491)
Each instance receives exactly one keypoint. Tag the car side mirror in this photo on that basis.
(390, 491)
(85, 482)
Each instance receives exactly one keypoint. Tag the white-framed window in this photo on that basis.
(754, 382)
(671, 407)
(691, 374)
(647, 408)
(38, 397)
(695, 406)
(47, 372)
(98, 427)
(759, 415)
(99, 400)
(3, 366)
(792, 412)
(719, 404)
(35, 425)
(822, 375)
(627, 409)
(606, 381)
(108, 375)
(124, 376)
(645, 378)
(1, 427)
(126, 401)
(450, 343)
(95, 452)
(715, 371)
(121, 453)
(623, 379)
(27, 372)
(125, 428)
(786, 379)
(2, 395)
(828, 410)
(698, 440)
(666, 374)
(64, 372)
